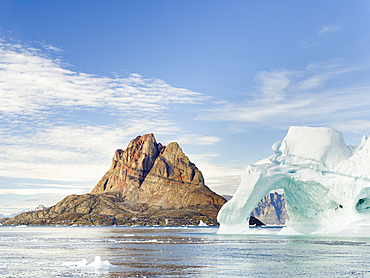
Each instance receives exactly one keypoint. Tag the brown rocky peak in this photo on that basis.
(141, 153)
(181, 168)
(147, 172)
(130, 167)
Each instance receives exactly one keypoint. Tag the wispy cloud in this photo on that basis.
(307, 44)
(223, 178)
(194, 139)
(359, 126)
(317, 95)
(273, 84)
(39, 191)
(329, 29)
(33, 83)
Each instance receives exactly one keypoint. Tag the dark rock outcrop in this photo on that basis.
(147, 180)
(253, 221)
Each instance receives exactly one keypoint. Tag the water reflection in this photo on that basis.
(155, 252)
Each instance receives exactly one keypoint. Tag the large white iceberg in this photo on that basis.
(326, 184)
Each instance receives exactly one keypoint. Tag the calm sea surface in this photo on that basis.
(175, 252)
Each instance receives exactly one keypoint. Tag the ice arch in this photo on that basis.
(326, 183)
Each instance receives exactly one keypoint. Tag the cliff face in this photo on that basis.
(145, 180)
(130, 167)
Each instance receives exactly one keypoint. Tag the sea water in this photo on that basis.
(47, 251)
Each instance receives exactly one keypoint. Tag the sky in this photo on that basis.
(225, 79)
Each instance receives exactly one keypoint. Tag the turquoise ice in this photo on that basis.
(326, 184)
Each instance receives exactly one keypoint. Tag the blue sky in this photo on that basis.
(80, 79)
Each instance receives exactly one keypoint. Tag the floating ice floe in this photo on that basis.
(326, 185)
(97, 263)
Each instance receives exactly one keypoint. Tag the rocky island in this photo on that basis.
(147, 184)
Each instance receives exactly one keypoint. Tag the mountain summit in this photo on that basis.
(163, 176)
(146, 180)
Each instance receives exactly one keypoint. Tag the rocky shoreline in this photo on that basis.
(105, 220)
(108, 220)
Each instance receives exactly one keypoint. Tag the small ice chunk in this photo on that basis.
(97, 263)
(81, 263)
(202, 224)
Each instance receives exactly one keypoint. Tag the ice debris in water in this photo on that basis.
(202, 224)
(326, 184)
(97, 263)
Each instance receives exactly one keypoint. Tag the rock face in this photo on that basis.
(271, 209)
(146, 180)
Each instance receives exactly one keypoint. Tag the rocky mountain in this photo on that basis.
(3, 217)
(39, 207)
(147, 181)
(156, 175)
(271, 209)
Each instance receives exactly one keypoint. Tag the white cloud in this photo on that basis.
(224, 185)
(329, 29)
(32, 83)
(355, 126)
(312, 82)
(15, 203)
(273, 84)
(223, 178)
(75, 172)
(39, 191)
(194, 139)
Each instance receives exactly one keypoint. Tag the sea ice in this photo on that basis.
(326, 184)
(97, 263)
(3, 265)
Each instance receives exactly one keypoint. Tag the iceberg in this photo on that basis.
(326, 184)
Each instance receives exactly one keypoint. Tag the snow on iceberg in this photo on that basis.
(326, 184)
